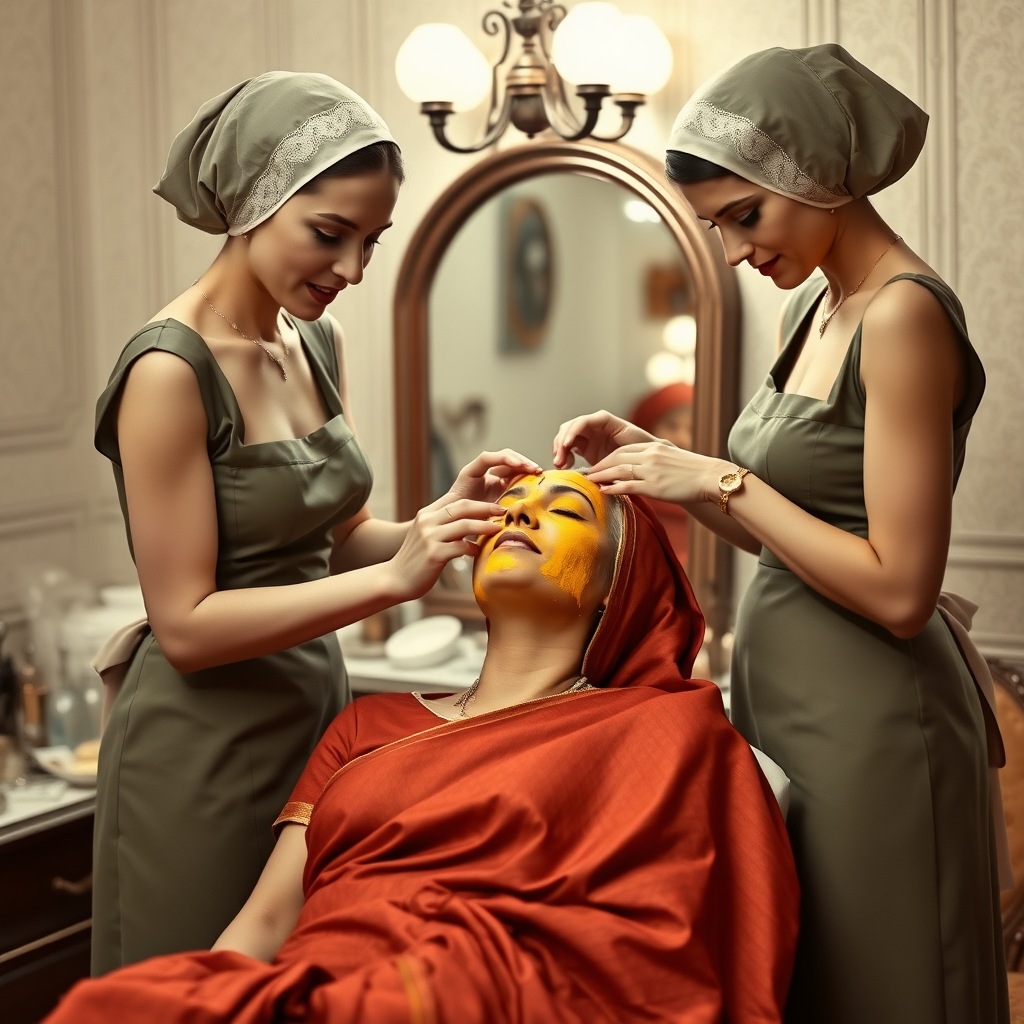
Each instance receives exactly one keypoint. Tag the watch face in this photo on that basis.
(728, 482)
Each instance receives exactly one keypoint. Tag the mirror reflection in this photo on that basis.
(560, 295)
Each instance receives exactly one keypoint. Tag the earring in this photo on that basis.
(830, 211)
(248, 239)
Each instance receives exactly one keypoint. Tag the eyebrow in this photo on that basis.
(350, 224)
(566, 489)
(520, 492)
(735, 202)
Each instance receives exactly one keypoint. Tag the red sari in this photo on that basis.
(606, 855)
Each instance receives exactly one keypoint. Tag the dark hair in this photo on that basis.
(381, 156)
(687, 169)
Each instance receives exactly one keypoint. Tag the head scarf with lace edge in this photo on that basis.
(812, 124)
(250, 149)
(652, 627)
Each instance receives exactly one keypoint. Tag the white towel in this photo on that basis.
(959, 615)
(112, 661)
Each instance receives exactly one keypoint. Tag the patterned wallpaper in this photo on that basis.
(96, 89)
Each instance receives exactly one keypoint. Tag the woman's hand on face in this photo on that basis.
(487, 477)
(594, 437)
(450, 527)
(658, 469)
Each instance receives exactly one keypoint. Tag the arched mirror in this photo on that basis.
(550, 280)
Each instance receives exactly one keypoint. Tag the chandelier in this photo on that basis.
(594, 47)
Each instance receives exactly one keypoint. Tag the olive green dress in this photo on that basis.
(882, 738)
(194, 767)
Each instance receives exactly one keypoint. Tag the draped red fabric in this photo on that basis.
(609, 855)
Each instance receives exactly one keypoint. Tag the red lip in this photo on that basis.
(768, 266)
(515, 537)
(325, 296)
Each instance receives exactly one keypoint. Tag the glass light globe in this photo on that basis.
(643, 59)
(584, 49)
(680, 335)
(668, 368)
(438, 63)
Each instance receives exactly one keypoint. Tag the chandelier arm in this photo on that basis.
(493, 23)
(592, 101)
(553, 17)
(556, 105)
(628, 108)
(438, 118)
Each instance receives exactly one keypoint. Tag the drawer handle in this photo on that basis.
(73, 888)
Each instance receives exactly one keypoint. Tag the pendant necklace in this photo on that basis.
(470, 694)
(826, 320)
(255, 341)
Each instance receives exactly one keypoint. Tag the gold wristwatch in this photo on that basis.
(729, 483)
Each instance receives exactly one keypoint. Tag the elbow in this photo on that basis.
(180, 652)
(907, 618)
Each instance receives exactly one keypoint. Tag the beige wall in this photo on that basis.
(92, 91)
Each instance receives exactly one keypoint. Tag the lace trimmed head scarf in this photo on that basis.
(813, 124)
(249, 150)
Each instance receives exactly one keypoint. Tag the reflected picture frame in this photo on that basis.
(528, 275)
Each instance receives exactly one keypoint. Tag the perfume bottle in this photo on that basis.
(33, 701)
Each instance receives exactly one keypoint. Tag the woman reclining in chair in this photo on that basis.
(582, 837)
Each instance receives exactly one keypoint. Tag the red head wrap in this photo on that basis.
(652, 628)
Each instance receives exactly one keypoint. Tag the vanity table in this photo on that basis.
(45, 896)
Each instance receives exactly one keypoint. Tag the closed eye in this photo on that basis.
(324, 237)
(748, 220)
(566, 512)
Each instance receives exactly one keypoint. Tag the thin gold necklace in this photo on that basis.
(470, 694)
(255, 341)
(826, 320)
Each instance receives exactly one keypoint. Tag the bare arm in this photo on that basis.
(911, 371)
(172, 510)
(269, 914)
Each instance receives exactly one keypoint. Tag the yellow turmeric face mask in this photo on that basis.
(556, 526)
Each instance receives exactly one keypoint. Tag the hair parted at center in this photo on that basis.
(380, 156)
(687, 169)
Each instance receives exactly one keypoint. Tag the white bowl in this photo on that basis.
(423, 644)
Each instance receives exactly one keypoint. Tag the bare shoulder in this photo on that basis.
(908, 339)
(157, 371)
(162, 388)
(905, 305)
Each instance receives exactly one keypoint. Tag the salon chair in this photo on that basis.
(1009, 680)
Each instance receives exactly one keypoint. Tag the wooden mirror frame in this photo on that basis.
(716, 310)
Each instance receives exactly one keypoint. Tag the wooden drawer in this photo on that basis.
(45, 908)
(32, 982)
(45, 882)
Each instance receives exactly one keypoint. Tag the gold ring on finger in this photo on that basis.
(632, 472)
(448, 509)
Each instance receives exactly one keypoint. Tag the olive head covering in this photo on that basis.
(813, 124)
(249, 150)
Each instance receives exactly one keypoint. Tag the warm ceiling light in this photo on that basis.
(640, 212)
(438, 62)
(680, 335)
(585, 46)
(643, 57)
(667, 368)
(601, 51)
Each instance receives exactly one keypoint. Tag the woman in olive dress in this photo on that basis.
(244, 488)
(843, 469)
